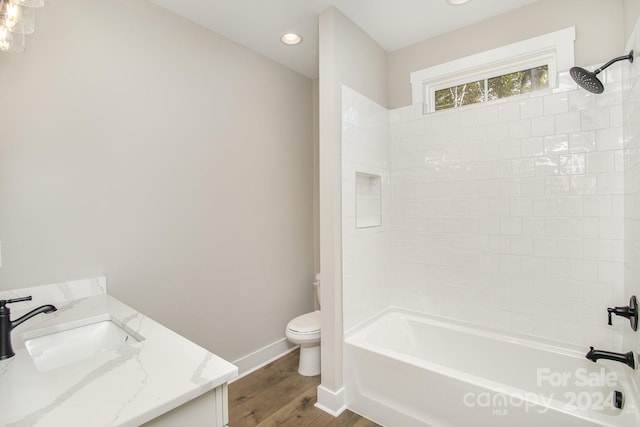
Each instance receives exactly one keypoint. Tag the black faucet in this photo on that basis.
(6, 325)
(626, 358)
(630, 312)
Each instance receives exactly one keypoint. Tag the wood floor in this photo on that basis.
(277, 395)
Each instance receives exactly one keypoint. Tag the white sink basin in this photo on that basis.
(75, 344)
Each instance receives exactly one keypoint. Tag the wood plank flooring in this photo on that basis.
(277, 395)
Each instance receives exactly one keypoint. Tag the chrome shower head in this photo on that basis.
(588, 80)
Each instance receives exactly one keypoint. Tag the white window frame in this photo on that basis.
(554, 49)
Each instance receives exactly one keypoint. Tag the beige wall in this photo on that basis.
(347, 56)
(599, 37)
(141, 146)
(631, 14)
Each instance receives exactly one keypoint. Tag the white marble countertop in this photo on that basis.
(124, 387)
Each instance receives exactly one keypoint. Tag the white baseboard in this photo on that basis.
(331, 402)
(259, 358)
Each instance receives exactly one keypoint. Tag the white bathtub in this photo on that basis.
(404, 369)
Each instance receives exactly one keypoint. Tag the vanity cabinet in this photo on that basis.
(209, 410)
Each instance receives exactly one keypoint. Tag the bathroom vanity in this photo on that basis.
(97, 362)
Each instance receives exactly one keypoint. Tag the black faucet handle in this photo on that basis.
(29, 298)
(4, 302)
(609, 312)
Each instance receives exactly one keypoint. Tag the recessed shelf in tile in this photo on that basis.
(368, 200)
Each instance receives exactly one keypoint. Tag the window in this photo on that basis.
(502, 86)
(510, 70)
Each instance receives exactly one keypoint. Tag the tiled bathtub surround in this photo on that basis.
(631, 126)
(508, 214)
(366, 251)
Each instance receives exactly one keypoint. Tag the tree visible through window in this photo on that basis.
(503, 86)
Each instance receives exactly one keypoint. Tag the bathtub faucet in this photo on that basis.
(630, 312)
(626, 358)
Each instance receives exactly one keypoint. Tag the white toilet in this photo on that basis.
(304, 331)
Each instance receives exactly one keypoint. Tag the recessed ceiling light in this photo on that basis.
(291, 39)
(457, 1)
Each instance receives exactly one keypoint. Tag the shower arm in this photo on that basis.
(614, 60)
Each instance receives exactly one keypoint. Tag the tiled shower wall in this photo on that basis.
(366, 251)
(508, 214)
(631, 125)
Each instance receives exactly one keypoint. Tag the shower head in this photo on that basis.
(588, 80)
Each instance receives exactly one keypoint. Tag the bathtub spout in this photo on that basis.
(626, 358)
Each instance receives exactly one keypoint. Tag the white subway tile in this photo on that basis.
(582, 142)
(523, 167)
(531, 147)
(555, 104)
(581, 100)
(548, 165)
(488, 114)
(573, 164)
(557, 185)
(510, 187)
(557, 144)
(499, 244)
(511, 225)
(584, 270)
(520, 129)
(543, 125)
(531, 265)
(509, 149)
(533, 226)
(545, 206)
(599, 162)
(521, 245)
(595, 118)
(499, 207)
(545, 247)
(611, 183)
(557, 267)
(611, 228)
(611, 272)
(532, 187)
(569, 206)
(509, 111)
(521, 206)
(597, 249)
(498, 131)
(584, 184)
(567, 122)
(609, 139)
(531, 107)
(601, 205)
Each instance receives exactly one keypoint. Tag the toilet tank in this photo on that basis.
(316, 284)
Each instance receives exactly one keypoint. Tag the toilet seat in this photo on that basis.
(305, 324)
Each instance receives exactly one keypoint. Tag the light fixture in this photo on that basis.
(17, 18)
(291, 39)
(457, 2)
(30, 3)
(11, 42)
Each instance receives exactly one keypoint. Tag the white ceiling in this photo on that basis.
(258, 24)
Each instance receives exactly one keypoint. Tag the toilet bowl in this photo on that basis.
(304, 331)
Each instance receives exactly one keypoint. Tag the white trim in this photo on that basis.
(554, 49)
(262, 357)
(331, 402)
